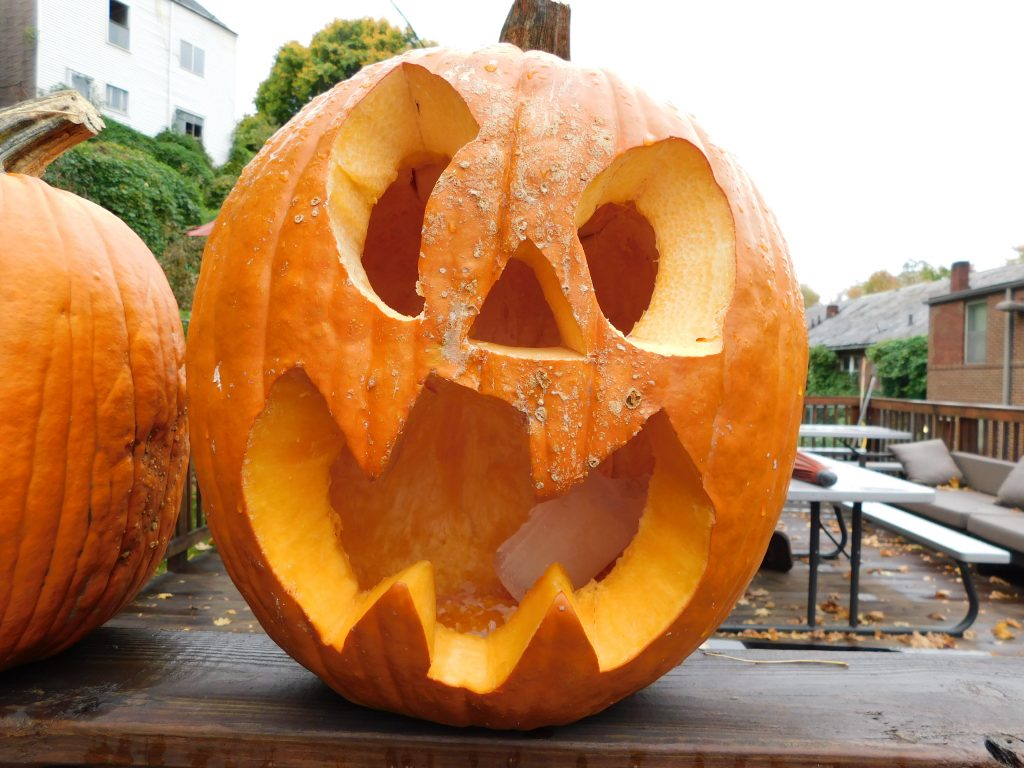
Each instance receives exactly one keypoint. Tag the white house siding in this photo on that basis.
(73, 38)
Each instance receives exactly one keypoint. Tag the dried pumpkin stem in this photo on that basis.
(538, 25)
(35, 133)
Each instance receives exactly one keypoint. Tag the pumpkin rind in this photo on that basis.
(92, 417)
(285, 322)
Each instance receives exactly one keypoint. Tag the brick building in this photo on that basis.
(976, 337)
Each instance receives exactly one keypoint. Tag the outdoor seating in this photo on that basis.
(980, 505)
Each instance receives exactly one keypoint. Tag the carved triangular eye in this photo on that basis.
(526, 307)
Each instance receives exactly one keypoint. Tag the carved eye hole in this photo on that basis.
(622, 255)
(660, 244)
(526, 307)
(391, 252)
(387, 157)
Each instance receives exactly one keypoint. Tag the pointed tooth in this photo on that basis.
(388, 646)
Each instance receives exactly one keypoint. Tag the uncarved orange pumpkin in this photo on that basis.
(92, 416)
(448, 291)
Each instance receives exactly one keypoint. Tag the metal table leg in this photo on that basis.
(812, 577)
(855, 564)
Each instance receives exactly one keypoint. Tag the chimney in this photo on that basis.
(831, 311)
(960, 276)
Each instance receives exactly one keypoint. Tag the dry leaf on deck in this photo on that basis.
(1002, 631)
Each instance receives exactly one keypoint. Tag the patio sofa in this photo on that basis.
(985, 506)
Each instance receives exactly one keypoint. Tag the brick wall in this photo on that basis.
(949, 378)
(17, 51)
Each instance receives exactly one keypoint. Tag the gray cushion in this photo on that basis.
(927, 462)
(1011, 492)
(1003, 530)
(982, 473)
(956, 507)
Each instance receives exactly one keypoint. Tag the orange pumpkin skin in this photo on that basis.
(92, 417)
(311, 371)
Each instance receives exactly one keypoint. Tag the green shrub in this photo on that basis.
(251, 133)
(180, 261)
(147, 195)
(902, 366)
(219, 189)
(188, 163)
(824, 376)
(119, 133)
(190, 143)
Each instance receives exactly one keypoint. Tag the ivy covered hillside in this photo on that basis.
(160, 186)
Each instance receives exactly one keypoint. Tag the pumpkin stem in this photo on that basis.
(538, 25)
(34, 133)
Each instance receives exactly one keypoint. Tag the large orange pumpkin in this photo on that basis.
(92, 403)
(448, 290)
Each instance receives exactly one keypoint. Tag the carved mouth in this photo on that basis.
(458, 485)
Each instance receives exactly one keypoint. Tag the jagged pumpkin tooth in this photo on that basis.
(386, 651)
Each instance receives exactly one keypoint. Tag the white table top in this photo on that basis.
(857, 484)
(853, 432)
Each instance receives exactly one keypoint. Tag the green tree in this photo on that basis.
(913, 272)
(811, 296)
(824, 376)
(902, 366)
(335, 53)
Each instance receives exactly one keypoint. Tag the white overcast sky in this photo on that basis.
(879, 131)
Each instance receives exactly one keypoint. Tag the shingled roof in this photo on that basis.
(897, 314)
(195, 7)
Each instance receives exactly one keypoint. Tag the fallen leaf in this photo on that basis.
(1002, 631)
(223, 621)
(995, 594)
(1014, 623)
(202, 546)
(904, 569)
(762, 612)
(999, 581)
(970, 634)
(164, 596)
(875, 616)
(936, 616)
(941, 594)
(887, 552)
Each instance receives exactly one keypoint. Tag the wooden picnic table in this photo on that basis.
(144, 696)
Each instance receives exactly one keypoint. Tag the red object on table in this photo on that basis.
(810, 470)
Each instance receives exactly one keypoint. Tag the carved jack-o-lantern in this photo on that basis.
(449, 291)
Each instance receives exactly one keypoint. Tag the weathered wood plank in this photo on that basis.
(134, 696)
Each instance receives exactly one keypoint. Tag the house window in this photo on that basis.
(117, 99)
(976, 323)
(192, 58)
(189, 124)
(82, 84)
(117, 24)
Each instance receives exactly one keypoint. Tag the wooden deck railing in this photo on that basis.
(996, 431)
(191, 526)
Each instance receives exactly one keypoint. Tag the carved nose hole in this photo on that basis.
(622, 255)
(391, 252)
(526, 307)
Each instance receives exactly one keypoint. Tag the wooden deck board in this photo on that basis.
(138, 696)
